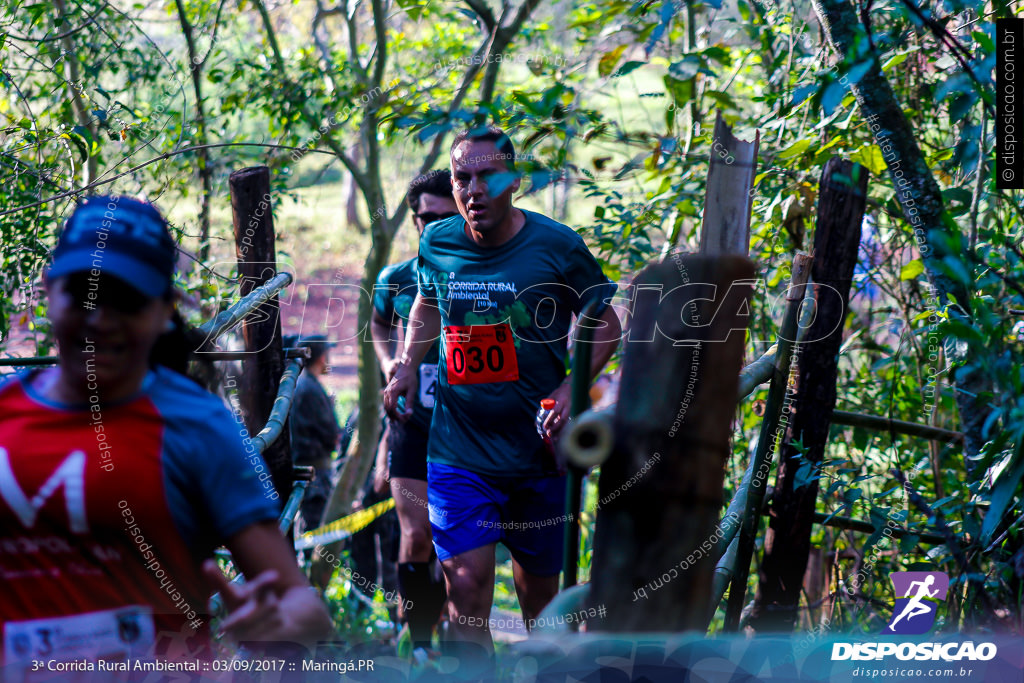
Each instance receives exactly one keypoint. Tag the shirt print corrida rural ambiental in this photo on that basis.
(505, 316)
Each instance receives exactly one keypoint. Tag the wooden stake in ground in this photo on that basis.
(841, 199)
(257, 262)
(660, 492)
(727, 199)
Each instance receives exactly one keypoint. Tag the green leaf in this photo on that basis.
(723, 99)
(795, 150)
(984, 41)
(908, 543)
(887, 492)
(870, 156)
(1003, 491)
(681, 91)
(414, 8)
(686, 68)
(894, 61)
(36, 10)
(912, 270)
(627, 68)
(606, 65)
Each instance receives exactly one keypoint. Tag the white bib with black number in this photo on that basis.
(112, 635)
(428, 384)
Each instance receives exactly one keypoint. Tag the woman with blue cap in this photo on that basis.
(119, 477)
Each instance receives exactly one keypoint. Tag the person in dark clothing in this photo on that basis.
(374, 549)
(430, 198)
(314, 430)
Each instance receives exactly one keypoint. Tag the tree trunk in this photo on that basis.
(842, 193)
(257, 263)
(73, 76)
(919, 197)
(202, 153)
(357, 467)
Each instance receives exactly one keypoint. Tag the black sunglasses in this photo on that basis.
(430, 217)
(88, 292)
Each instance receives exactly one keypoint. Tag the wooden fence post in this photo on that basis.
(841, 201)
(727, 199)
(257, 262)
(660, 491)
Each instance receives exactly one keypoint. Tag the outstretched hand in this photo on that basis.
(254, 607)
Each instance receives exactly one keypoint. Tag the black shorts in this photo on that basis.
(407, 451)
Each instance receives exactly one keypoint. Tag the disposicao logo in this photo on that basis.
(918, 595)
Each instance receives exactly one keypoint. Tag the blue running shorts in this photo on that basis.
(470, 510)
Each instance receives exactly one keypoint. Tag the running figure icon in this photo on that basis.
(916, 606)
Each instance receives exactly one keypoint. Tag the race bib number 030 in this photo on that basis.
(476, 354)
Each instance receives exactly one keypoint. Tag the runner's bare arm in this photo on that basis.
(423, 330)
(381, 471)
(384, 343)
(276, 603)
(606, 339)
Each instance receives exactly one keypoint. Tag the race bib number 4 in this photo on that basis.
(428, 385)
(478, 354)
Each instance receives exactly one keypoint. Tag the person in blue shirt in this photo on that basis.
(500, 286)
(430, 198)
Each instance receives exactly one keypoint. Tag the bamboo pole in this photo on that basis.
(768, 439)
(574, 475)
(230, 317)
(868, 528)
(282, 405)
(884, 424)
(289, 354)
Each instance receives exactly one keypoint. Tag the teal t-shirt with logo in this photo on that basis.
(394, 293)
(531, 287)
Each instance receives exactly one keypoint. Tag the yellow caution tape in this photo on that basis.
(342, 528)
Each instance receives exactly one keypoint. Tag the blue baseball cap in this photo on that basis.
(118, 236)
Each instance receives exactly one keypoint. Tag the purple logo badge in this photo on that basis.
(918, 595)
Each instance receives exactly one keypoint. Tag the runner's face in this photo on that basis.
(433, 207)
(483, 184)
(113, 331)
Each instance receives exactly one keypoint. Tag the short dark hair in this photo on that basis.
(489, 134)
(437, 182)
(316, 343)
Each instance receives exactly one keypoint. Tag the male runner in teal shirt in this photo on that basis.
(503, 284)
